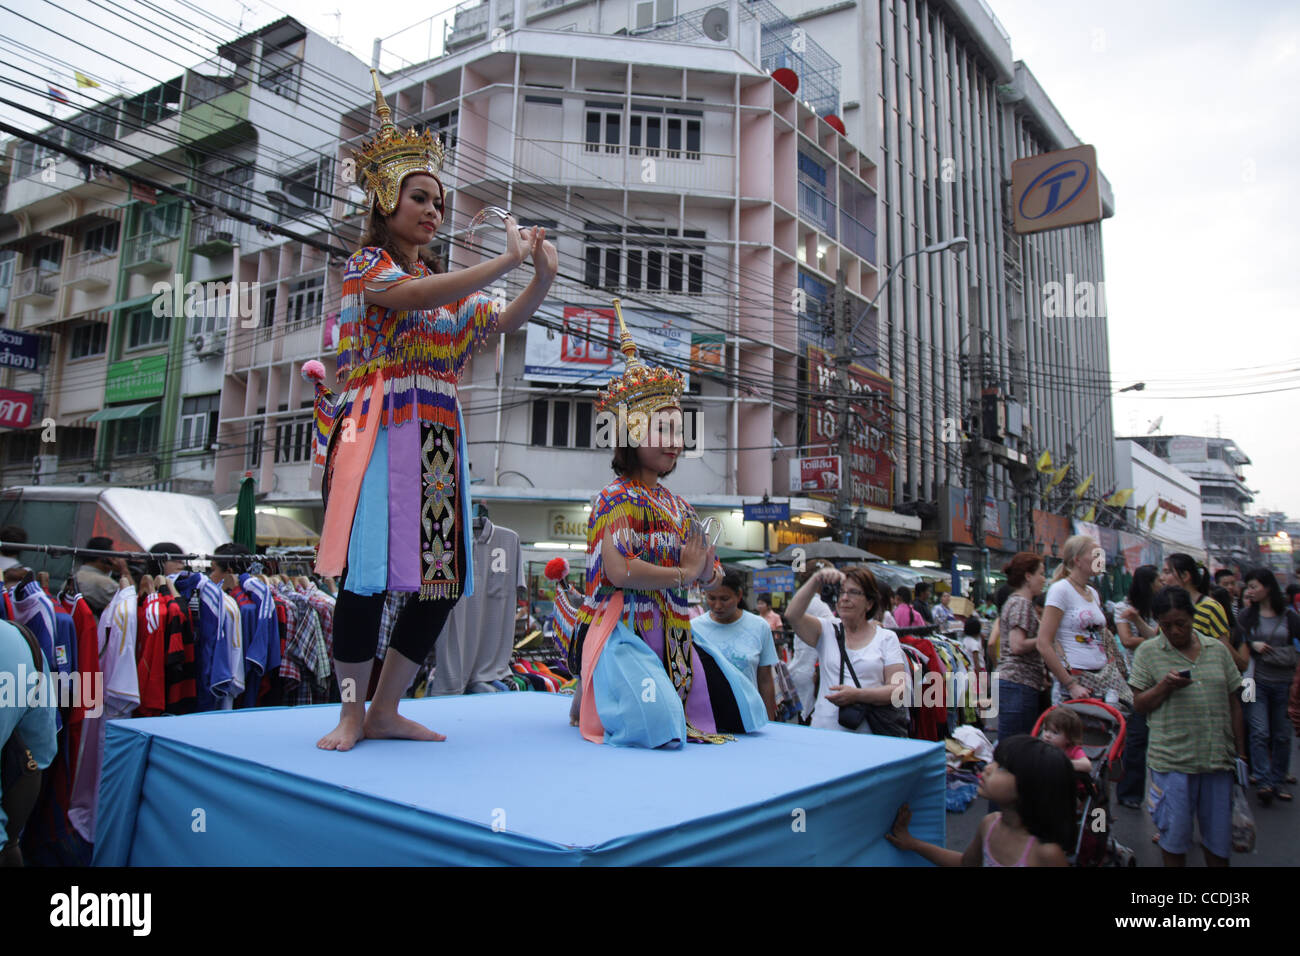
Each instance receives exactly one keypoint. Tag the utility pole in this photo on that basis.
(843, 357)
(975, 455)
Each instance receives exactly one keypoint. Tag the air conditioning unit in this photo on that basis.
(46, 465)
(208, 343)
(87, 477)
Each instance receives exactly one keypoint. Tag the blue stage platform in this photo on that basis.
(513, 784)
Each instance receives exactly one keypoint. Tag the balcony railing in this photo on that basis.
(4, 299)
(213, 234)
(470, 23)
(579, 162)
(92, 269)
(150, 252)
(36, 285)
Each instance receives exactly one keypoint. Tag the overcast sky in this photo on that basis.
(1193, 107)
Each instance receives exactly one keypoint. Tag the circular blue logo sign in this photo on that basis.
(1055, 188)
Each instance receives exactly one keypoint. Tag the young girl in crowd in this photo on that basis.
(1063, 729)
(1034, 784)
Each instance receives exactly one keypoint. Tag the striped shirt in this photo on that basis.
(1210, 618)
(1191, 732)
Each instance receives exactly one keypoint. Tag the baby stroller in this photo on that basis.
(1103, 743)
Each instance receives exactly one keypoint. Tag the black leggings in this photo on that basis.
(357, 619)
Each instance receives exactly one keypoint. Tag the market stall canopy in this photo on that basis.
(275, 530)
(826, 551)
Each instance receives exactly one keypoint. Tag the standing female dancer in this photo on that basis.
(396, 484)
(646, 680)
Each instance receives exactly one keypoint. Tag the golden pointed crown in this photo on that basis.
(641, 387)
(386, 160)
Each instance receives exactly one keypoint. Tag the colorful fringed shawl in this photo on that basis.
(410, 363)
(650, 524)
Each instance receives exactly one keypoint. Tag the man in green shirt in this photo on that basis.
(1186, 683)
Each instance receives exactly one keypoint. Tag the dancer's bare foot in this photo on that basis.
(350, 729)
(390, 724)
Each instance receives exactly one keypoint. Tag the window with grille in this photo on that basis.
(87, 339)
(137, 436)
(163, 220)
(75, 444)
(229, 185)
(293, 438)
(256, 431)
(651, 13)
(101, 239)
(48, 256)
(93, 128)
(304, 302)
(562, 423)
(655, 260)
(604, 127)
(267, 319)
(199, 422)
(310, 185)
(669, 132)
(144, 329)
(444, 126)
(212, 314)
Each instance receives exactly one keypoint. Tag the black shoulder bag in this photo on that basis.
(884, 720)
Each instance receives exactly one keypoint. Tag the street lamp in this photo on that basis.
(1135, 387)
(845, 354)
(955, 244)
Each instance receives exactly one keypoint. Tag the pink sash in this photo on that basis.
(602, 625)
(351, 459)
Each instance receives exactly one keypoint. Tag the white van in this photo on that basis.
(71, 515)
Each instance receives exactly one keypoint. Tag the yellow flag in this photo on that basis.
(1080, 491)
(1151, 522)
(1120, 498)
(1045, 462)
(1164, 515)
(83, 80)
(1142, 513)
(1091, 515)
(1058, 476)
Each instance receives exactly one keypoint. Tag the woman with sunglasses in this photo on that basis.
(396, 483)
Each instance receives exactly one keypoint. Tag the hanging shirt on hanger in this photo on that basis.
(480, 630)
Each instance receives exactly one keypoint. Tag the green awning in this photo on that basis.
(118, 412)
(131, 303)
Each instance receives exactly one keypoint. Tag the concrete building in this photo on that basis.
(1217, 465)
(1166, 502)
(130, 290)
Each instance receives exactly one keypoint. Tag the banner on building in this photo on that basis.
(1186, 449)
(1052, 190)
(134, 379)
(16, 408)
(1050, 532)
(581, 355)
(815, 475)
(868, 474)
(706, 348)
(955, 517)
(1276, 552)
(19, 350)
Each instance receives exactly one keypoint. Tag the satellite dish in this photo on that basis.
(1155, 425)
(715, 24)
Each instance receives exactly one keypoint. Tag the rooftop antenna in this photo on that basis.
(338, 26)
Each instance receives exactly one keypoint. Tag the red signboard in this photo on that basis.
(869, 473)
(16, 408)
(815, 474)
